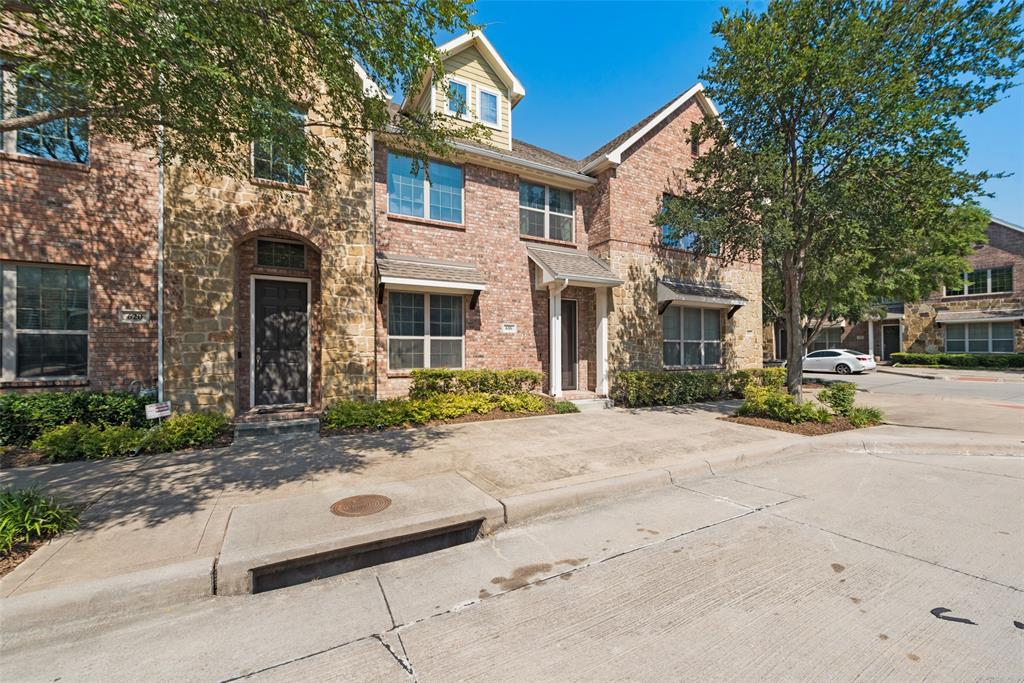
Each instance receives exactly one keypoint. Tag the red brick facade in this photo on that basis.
(101, 216)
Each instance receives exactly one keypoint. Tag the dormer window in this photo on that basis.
(487, 107)
(458, 99)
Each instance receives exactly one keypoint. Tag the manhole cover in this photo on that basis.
(360, 506)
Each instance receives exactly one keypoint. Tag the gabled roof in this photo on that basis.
(1006, 224)
(478, 40)
(563, 263)
(611, 152)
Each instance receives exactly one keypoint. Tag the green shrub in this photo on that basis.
(23, 417)
(77, 441)
(27, 515)
(839, 396)
(429, 382)
(401, 412)
(777, 404)
(865, 417)
(522, 403)
(186, 430)
(564, 407)
(640, 388)
(961, 360)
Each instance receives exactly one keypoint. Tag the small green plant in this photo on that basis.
(521, 403)
(400, 412)
(435, 381)
(861, 416)
(24, 417)
(77, 441)
(27, 515)
(776, 404)
(186, 430)
(839, 396)
(563, 407)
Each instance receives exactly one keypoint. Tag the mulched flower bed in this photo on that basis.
(838, 424)
(19, 553)
(496, 414)
(14, 456)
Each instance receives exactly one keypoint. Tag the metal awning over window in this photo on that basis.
(997, 316)
(708, 296)
(428, 275)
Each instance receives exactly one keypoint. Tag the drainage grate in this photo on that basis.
(360, 506)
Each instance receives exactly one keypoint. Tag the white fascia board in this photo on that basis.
(994, 319)
(431, 284)
(370, 86)
(456, 45)
(1006, 224)
(614, 157)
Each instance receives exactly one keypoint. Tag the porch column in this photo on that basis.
(871, 338)
(602, 340)
(555, 331)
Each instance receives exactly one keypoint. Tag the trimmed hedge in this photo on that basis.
(431, 382)
(641, 388)
(962, 360)
(23, 417)
(402, 412)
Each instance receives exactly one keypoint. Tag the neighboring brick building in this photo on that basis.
(506, 251)
(985, 315)
(78, 253)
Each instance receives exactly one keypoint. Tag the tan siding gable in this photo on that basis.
(470, 67)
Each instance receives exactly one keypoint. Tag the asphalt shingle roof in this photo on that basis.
(693, 289)
(958, 316)
(428, 269)
(562, 262)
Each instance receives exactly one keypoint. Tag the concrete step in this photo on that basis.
(587, 405)
(286, 542)
(303, 426)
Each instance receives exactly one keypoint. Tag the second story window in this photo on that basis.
(271, 161)
(984, 281)
(487, 107)
(438, 197)
(458, 99)
(545, 212)
(686, 241)
(61, 140)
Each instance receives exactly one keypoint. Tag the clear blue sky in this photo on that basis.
(592, 69)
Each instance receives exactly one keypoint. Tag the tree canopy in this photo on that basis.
(838, 159)
(211, 78)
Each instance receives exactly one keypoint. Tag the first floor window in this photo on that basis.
(45, 321)
(691, 336)
(979, 338)
(412, 193)
(828, 338)
(424, 330)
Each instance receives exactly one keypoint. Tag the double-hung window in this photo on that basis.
(545, 212)
(979, 338)
(487, 107)
(424, 330)
(457, 100)
(412, 193)
(271, 160)
(45, 322)
(984, 281)
(686, 241)
(691, 336)
(64, 139)
(827, 338)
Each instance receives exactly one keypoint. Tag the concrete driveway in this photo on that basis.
(839, 564)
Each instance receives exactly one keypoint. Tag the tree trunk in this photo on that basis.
(794, 331)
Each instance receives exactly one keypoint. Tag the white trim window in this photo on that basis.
(271, 162)
(64, 140)
(425, 330)
(691, 337)
(979, 337)
(45, 322)
(984, 281)
(828, 338)
(456, 101)
(488, 107)
(408, 190)
(546, 212)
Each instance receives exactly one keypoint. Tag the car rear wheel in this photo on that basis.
(843, 368)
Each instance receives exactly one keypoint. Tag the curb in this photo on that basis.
(525, 506)
(944, 378)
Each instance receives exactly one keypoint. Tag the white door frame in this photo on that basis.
(252, 335)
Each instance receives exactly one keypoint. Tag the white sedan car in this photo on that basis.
(841, 361)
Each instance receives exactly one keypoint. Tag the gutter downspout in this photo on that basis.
(160, 269)
(373, 256)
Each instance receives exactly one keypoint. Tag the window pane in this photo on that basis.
(561, 227)
(1002, 331)
(691, 353)
(977, 338)
(272, 161)
(670, 353)
(1002, 346)
(531, 222)
(445, 193)
(531, 195)
(955, 345)
(405, 314)
(712, 324)
(489, 108)
(691, 323)
(977, 282)
(52, 355)
(560, 201)
(280, 254)
(957, 288)
(445, 316)
(52, 299)
(457, 98)
(956, 332)
(405, 189)
(446, 353)
(63, 140)
(404, 354)
(712, 353)
(1002, 279)
(670, 323)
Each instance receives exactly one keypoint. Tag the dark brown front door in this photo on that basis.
(890, 340)
(280, 342)
(570, 359)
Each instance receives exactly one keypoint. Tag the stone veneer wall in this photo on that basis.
(207, 219)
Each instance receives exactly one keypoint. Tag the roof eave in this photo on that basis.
(582, 181)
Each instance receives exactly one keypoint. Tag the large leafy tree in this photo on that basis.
(838, 158)
(208, 78)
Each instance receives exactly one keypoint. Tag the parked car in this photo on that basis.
(842, 361)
